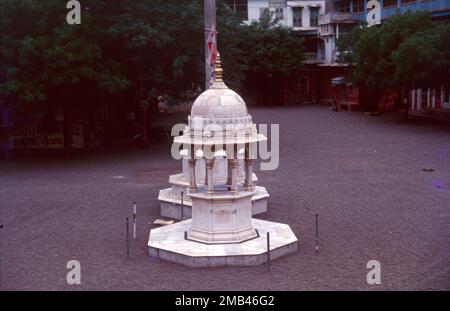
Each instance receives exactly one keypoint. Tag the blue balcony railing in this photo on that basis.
(436, 7)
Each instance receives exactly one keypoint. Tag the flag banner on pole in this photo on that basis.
(212, 46)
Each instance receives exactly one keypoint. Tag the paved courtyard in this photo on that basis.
(363, 176)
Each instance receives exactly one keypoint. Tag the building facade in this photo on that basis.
(321, 23)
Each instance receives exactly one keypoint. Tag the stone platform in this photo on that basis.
(170, 205)
(169, 243)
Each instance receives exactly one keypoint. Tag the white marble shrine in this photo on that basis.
(220, 136)
(174, 201)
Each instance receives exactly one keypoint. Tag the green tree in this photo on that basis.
(53, 65)
(129, 53)
(423, 59)
(270, 54)
(409, 50)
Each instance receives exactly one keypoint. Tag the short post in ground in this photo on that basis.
(182, 206)
(317, 233)
(1, 228)
(127, 240)
(268, 250)
(134, 220)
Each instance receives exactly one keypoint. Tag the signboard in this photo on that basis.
(27, 137)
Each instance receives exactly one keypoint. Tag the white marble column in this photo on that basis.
(228, 182)
(234, 174)
(209, 163)
(248, 185)
(192, 182)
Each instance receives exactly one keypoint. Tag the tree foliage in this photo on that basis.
(45, 57)
(407, 51)
(134, 50)
(273, 48)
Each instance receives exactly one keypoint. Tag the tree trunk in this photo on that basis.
(67, 130)
(144, 127)
(270, 90)
(398, 101)
(154, 113)
(405, 116)
(150, 119)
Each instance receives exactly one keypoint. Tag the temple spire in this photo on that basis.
(218, 71)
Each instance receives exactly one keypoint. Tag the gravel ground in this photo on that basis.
(362, 175)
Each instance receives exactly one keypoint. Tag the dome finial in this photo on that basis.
(218, 71)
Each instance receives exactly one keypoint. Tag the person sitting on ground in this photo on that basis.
(333, 105)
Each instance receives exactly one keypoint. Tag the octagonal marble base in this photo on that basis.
(169, 243)
(170, 205)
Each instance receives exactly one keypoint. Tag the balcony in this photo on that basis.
(323, 31)
(313, 58)
(312, 31)
(432, 6)
(335, 18)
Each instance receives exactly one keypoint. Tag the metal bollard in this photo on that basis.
(134, 221)
(127, 240)
(182, 206)
(317, 233)
(268, 250)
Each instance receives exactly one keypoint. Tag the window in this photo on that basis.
(322, 50)
(303, 86)
(297, 16)
(314, 17)
(263, 12)
(388, 3)
(279, 13)
(358, 6)
(240, 7)
(424, 97)
(447, 96)
(344, 6)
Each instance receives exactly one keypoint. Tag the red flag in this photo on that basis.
(212, 47)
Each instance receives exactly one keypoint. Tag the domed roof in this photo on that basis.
(219, 101)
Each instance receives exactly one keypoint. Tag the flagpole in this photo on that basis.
(210, 25)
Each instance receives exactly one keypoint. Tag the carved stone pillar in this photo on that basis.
(248, 184)
(234, 174)
(192, 182)
(209, 163)
(229, 173)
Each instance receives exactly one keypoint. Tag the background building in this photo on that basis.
(321, 22)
